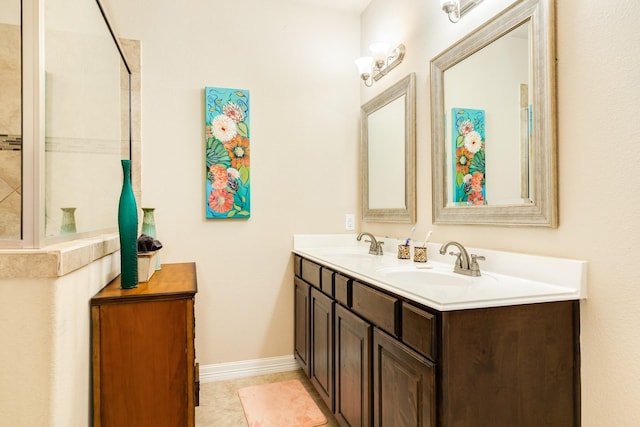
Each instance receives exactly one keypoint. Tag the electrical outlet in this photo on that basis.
(350, 222)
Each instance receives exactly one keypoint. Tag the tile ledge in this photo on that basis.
(56, 260)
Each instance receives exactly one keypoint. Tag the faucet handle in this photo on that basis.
(458, 256)
(474, 267)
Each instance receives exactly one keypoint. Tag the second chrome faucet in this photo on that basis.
(465, 264)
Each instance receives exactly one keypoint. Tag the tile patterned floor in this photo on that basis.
(221, 407)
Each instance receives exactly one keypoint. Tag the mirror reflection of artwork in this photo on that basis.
(227, 153)
(468, 136)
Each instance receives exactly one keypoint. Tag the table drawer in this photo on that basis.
(311, 273)
(377, 307)
(419, 330)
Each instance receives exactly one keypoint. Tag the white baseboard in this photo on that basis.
(247, 368)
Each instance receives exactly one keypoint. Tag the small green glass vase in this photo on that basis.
(68, 221)
(149, 228)
(128, 227)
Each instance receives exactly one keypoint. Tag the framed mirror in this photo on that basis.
(388, 140)
(493, 121)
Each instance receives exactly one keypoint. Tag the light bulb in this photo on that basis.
(379, 51)
(449, 4)
(364, 65)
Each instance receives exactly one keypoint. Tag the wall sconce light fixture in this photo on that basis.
(381, 61)
(456, 9)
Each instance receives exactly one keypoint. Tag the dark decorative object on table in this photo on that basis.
(128, 227)
(148, 244)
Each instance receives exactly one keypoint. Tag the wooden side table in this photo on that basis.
(143, 353)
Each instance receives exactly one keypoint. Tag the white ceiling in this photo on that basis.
(346, 5)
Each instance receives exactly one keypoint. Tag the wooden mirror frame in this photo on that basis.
(406, 86)
(543, 210)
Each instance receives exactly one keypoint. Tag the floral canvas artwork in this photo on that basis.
(227, 153)
(469, 180)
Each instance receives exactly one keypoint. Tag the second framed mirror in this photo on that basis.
(388, 140)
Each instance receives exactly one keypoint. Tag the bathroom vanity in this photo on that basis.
(384, 354)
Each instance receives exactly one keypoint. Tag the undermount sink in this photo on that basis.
(348, 253)
(345, 251)
(424, 276)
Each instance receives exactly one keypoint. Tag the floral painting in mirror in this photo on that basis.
(469, 181)
(227, 153)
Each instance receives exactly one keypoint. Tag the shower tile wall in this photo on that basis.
(10, 190)
(10, 130)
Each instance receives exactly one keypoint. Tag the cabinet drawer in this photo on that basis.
(326, 283)
(341, 289)
(419, 330)
(311, 272)
(379, 308)
(297, 268)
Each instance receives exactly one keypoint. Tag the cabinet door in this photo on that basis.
(301, 324)
(511, 366)
(322, 345)
(143, 356)
(403, 385)
(353, 369)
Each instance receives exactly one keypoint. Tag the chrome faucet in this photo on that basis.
(376, 247)
(465, 264)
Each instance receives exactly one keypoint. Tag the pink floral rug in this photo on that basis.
(281, 404)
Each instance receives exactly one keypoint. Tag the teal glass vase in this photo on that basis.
(128, 227)
(149, 228)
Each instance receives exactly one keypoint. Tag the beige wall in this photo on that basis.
(298, 64)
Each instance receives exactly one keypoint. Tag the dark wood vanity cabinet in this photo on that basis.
(352, 363)
(397, 363)
(143, 354)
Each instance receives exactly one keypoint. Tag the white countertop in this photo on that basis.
(507, 278)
